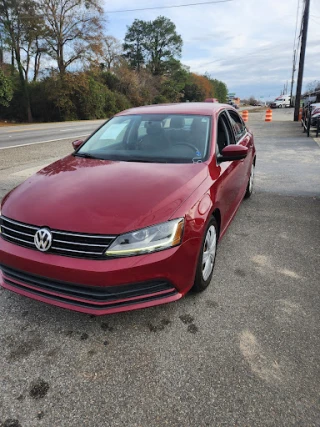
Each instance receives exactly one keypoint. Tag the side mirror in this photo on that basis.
(77, 143)
(233, 152)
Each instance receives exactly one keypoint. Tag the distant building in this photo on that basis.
(232, 99)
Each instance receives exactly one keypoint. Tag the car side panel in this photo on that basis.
(224, 186)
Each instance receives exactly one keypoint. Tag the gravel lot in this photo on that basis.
(244, 353)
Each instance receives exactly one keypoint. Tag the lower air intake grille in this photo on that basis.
(84, 295)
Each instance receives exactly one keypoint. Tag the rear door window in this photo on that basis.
(237, 124)
(225, 135)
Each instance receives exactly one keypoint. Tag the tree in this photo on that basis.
(162, 43)
(72, 29)
(39, 48)
(174, 82)
(198, 88)
(128, 84)
(111, 51)
(6, 90)
(106, 79)
(1, 44)
(220, 90)
(313, 86)
(252, 100)
(18, 20)
(22, 26)
(152, 43)
(32, 31)
(134, 44)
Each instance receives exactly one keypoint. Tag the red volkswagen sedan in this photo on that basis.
(133, 217)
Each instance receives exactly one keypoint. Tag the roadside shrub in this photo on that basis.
(15, 111)
(43, 109)
(96, 94)
(122, 102)
(90, 99)
(160, 99)
(6, 89)
(80, 96)
(110, 80)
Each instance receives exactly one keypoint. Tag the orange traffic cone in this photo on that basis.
(245, 115)
(269, 116)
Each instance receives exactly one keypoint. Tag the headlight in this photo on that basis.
(146, 240)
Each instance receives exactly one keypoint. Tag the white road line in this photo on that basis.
(23, 128)
(43, 142)
(30, 171)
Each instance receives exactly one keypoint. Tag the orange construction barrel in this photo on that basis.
(269, 116)
(245, 115)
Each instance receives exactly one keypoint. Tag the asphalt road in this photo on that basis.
(244, 353)
(13, 136)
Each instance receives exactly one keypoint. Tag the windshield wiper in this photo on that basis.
(158, 160)
(140, 160)
(87, 156)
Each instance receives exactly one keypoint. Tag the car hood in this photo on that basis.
(102, 196)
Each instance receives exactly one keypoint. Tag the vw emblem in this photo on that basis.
(43, 239)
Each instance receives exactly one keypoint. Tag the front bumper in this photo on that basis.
(99, 287)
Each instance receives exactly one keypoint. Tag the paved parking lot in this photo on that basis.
(244, 353)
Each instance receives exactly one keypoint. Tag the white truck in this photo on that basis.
(282, 101)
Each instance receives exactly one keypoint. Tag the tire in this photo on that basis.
(280, 106)
(249, 189)
(205, 269)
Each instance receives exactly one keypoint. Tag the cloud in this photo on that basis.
(247, 44)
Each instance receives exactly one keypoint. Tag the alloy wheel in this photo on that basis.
(209, 252)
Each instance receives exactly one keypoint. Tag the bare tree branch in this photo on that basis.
(71, 27)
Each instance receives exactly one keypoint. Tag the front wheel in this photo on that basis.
(207, 257)
(249, 189)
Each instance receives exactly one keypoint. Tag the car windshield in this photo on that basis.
(152, 138)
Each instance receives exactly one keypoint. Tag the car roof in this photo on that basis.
(201, 108)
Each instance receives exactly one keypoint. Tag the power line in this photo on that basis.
(141, 9)
(167, 7)
(295, 34)
(314, 20)
(256, 52)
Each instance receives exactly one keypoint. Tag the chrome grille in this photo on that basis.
(63, 242)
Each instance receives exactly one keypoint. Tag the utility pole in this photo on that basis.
(292, 80)
(305, 22)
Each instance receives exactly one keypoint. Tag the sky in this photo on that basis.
(248, 44)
